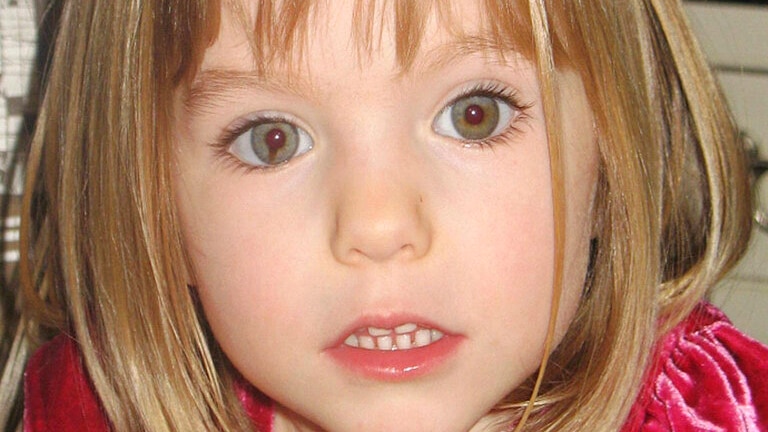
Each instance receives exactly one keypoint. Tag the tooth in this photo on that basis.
(423, 337)
(366, 342)
(405, 328)
(351, 341)
(384, 343)
(404, 341)
(436, 335)
(375, 331)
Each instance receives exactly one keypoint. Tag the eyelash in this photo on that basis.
(503, 94)
(493, 90)
(223, 145)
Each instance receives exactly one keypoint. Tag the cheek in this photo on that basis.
(503, 238)
(250, 272)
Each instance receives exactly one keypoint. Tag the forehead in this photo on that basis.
(279, 34)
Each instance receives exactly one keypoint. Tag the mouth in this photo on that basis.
(403, 337)
(404, 351)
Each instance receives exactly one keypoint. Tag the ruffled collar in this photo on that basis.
(706, 376)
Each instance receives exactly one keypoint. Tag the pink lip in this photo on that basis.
(397, 365)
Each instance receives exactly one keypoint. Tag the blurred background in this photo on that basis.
(734, 35)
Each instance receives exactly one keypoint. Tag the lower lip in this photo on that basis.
(398, 365)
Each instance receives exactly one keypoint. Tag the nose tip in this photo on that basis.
(379, 229)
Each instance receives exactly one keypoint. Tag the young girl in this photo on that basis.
(382, 216)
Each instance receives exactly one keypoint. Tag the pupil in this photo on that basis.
(275, 139)
(474, 114)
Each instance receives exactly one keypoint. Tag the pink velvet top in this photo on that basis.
(706, 376)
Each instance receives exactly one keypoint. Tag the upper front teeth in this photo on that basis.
(402, 337)
(405, 328)
(373, 331)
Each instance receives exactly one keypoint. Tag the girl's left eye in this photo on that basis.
(268, 142)
(475, 117)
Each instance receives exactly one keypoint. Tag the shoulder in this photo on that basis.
(707, 376)
(57, 393)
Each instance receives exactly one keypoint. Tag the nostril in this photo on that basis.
(383, 249)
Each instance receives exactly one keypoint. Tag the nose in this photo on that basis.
(380, 216)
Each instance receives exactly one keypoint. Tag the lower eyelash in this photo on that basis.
(509, 134)
(224, 142)
(493, 90)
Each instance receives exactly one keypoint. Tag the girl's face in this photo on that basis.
(374, 249)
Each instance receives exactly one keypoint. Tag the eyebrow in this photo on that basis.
(210, 87)
(455, 49)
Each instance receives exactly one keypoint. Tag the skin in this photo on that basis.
(382, 216)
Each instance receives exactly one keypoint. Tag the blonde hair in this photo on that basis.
(104, 261)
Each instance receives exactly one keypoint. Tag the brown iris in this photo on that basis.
(475, 117)
(274, 142)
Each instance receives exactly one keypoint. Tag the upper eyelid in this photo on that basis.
(493, 88)
(243, 123)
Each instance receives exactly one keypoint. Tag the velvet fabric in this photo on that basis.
(706, 376)
(59, 398)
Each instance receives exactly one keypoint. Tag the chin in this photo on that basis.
(435, 414)
(398, 421)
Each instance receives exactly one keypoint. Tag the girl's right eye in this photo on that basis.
(267, 142)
